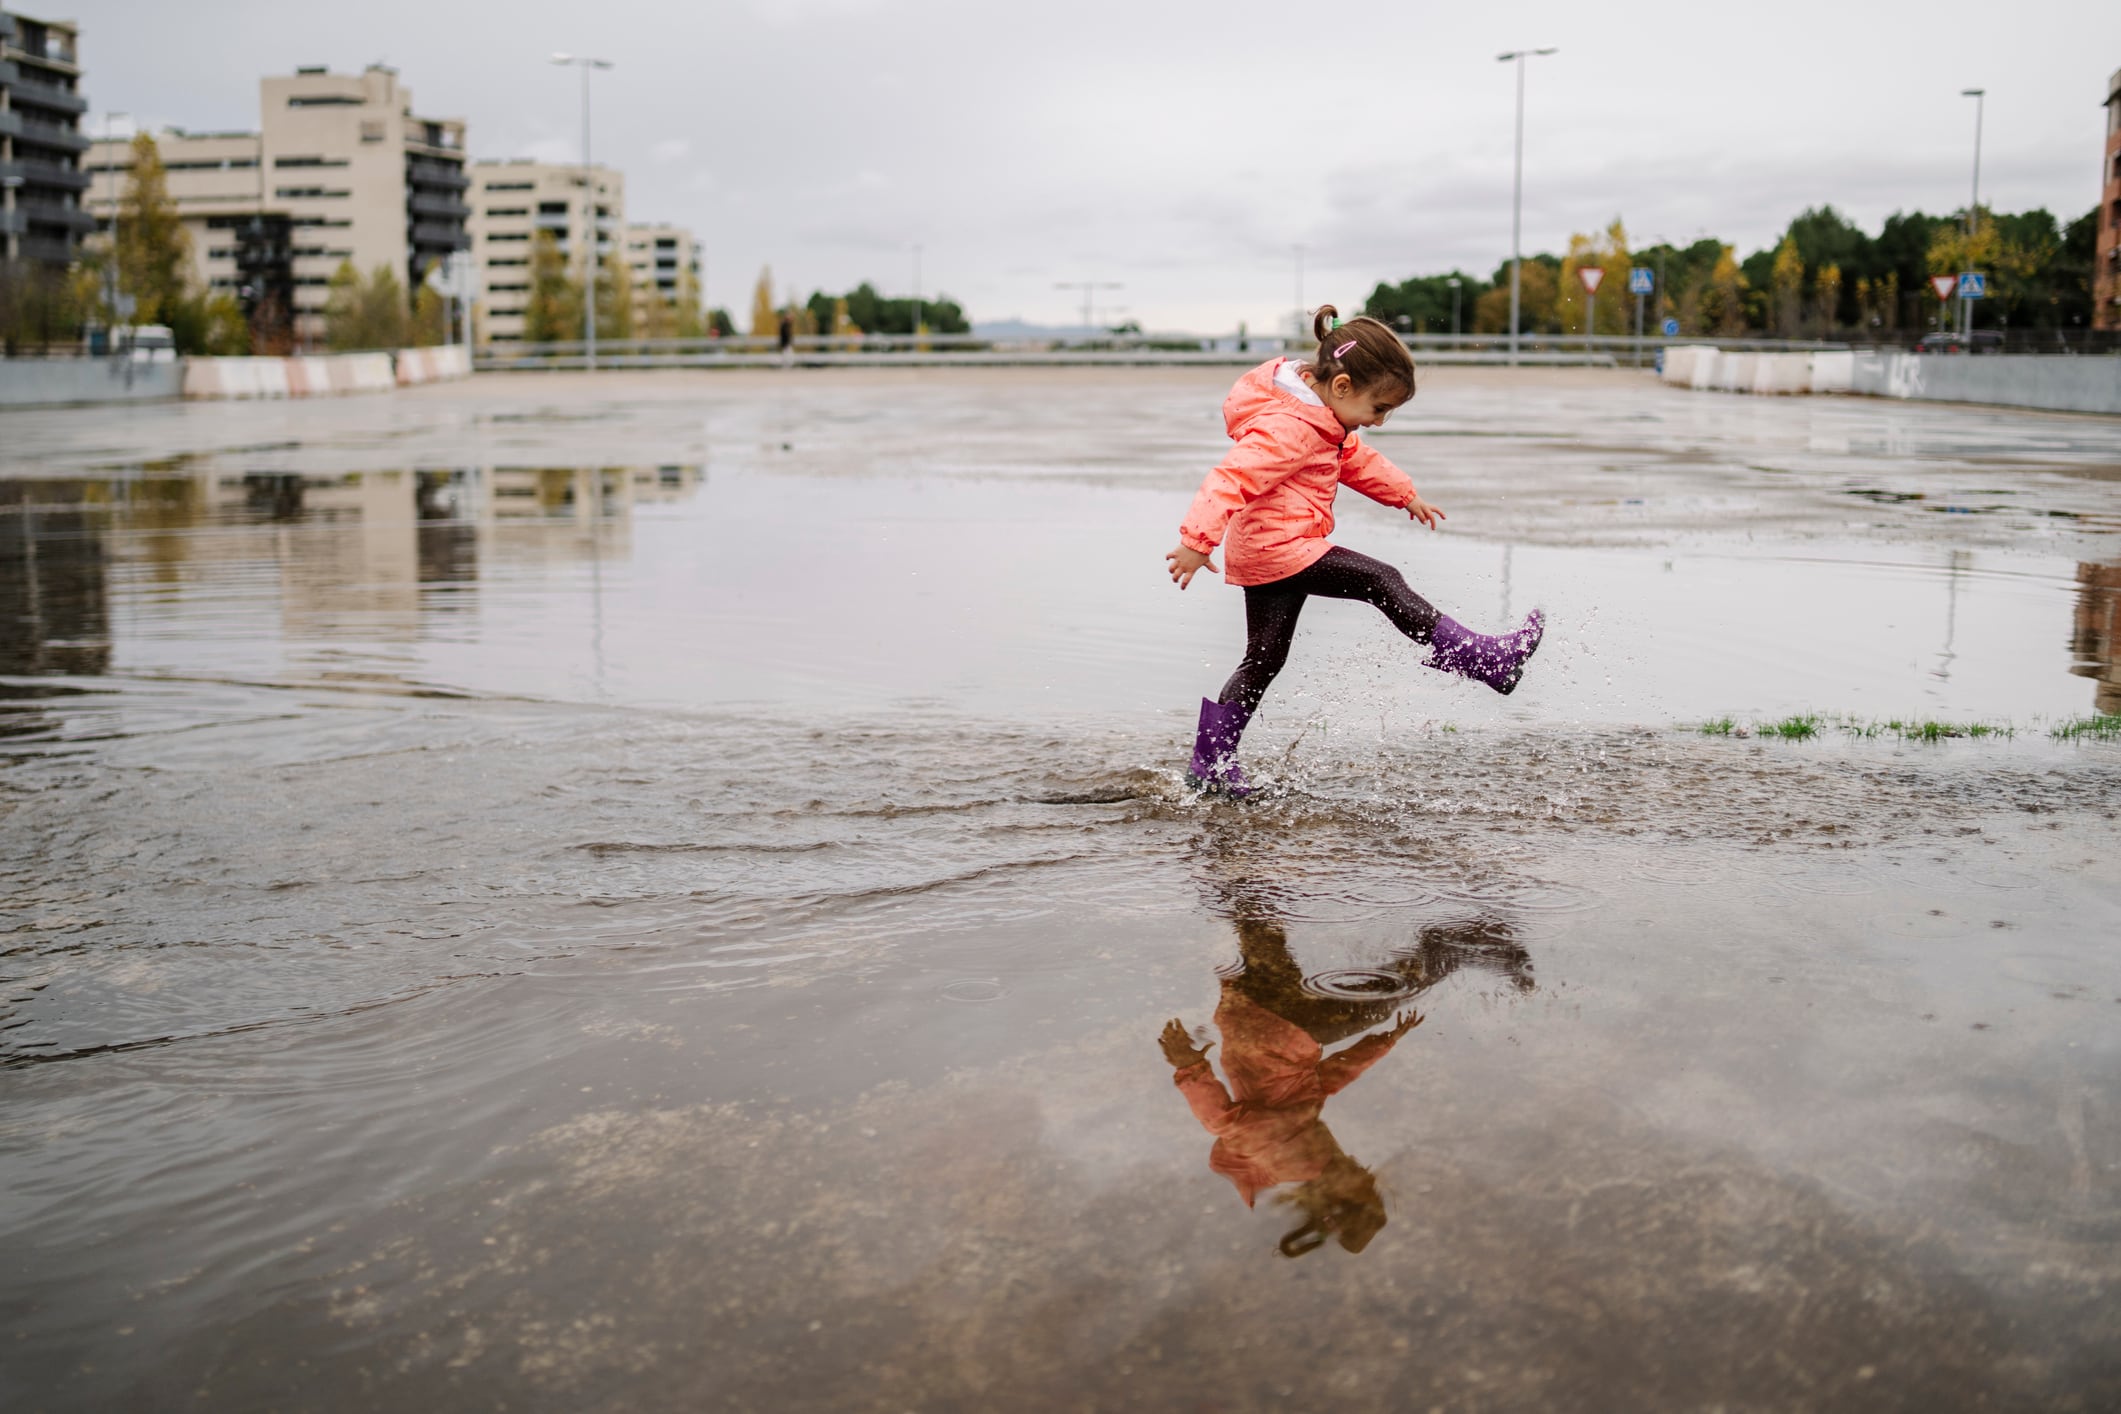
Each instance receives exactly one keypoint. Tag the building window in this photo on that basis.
(511, 186)
(325, 100)
(508, 236)
(310, 162)
(501, 211)
(313, 192)
(371, 130)
(505, 264)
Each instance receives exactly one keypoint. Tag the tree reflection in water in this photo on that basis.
(1266, 1110)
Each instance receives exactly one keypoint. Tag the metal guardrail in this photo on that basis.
(738, 351)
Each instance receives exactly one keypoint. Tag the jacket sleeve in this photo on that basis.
(1369, 471)
(1338, 1071)
(1259, 462)
(1211, 1103)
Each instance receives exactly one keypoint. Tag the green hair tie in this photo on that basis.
(1336, 321)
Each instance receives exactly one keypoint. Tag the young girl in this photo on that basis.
(1294, 425)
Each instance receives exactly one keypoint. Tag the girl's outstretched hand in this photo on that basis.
(1185, 562)
(1429, 515)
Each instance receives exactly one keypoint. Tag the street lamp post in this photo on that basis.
(916, 295)
(110, 262)
(589, 208)
(1454, 282)
(1973, 211)
(1299, 252)
(1517, 56)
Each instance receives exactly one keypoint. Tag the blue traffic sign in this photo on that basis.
(1973, 285)
(1671, 328)
(1641, 280)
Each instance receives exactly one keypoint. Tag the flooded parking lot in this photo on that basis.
(674, 892)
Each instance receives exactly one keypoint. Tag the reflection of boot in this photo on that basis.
(1215, 765)
(1496, 660)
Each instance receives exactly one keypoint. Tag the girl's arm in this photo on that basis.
(1255, 466)
(1371, 472)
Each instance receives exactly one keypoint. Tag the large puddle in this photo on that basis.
(676, 893)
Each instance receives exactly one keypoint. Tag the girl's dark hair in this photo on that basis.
(1364, 349)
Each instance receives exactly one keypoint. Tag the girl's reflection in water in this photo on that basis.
(1266, 1113)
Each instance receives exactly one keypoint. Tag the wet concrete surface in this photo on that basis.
(674, 893)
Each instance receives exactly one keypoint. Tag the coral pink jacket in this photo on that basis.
(1273, 495)
(1266, 1125)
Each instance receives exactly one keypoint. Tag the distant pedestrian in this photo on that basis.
(787, 338)
(1294, 424)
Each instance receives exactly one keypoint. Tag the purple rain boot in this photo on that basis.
(1497, 661)
(1215, 765)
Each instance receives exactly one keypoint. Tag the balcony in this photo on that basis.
(51, 252)
(433, 235)
(28, 92)
(50, 135)
(47, 213)
(446, 208)
(46, 174)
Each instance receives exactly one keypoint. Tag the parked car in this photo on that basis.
(143, 343)
(1980, 341)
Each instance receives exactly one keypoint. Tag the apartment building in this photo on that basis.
(2106, 260)
(340, 169)
(511, 202)
(664, 262)
(41, 215)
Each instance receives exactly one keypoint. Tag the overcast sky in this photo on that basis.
(1184, 149)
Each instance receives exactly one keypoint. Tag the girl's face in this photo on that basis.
(1358, 407)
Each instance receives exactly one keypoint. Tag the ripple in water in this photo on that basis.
(974, 989)
(1366, 984)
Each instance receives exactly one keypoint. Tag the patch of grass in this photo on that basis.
(1801, 727)
(1924, 729)
(1721, 726)
(2100, 726)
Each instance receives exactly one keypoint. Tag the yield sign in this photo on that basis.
(1590, 275)
(1944, 285)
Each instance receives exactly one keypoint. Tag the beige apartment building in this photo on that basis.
(664, 262)
(2106, 260)
(510, 203)
(340, 169)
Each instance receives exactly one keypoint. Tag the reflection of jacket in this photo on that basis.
(1274, 492)
(1266, 1125)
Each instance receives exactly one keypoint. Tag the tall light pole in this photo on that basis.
(1089, 289)
(1973, 210)
(589, 207)
(1517, 56)
(110, 263)
(916, 293)
(1454, 282)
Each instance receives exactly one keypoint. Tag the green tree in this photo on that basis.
(154, 251)
(720, 322)
(1538, 286)
(553, 312)
(1422, 304)
(40, 305)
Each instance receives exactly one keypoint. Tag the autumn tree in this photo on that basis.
(365, 313)
(614, 298)
(1607, 251)
(1786, 284)
(553, 313)
(153, 248)
(765, 314)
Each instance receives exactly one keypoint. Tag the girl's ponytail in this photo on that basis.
(1363, 348)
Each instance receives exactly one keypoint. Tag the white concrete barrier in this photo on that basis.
(1680, 361)
(414, 366)
(1734, 371)
(308, 377)
(271, 377)
(1778, 374)
(1833, 371)
(452, 361)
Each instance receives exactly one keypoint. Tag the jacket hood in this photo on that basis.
(1254, 397)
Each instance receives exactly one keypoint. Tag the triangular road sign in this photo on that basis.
(1590, 275)
(1944, 285)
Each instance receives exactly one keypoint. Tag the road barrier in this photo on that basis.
(321, 375)
(66, 382)
(2087, 383)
